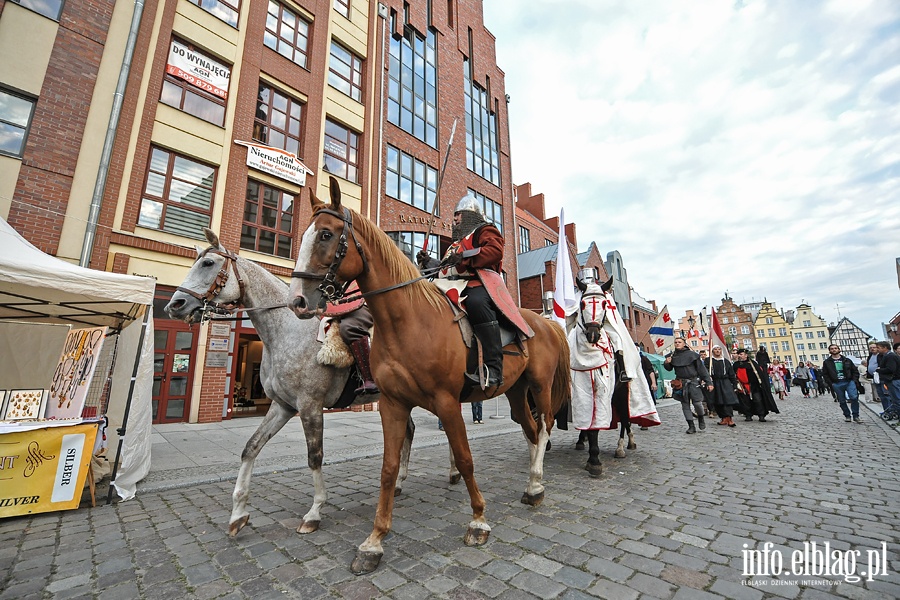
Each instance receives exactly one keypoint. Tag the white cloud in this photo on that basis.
(772, 126)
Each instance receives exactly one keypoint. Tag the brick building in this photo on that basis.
(537, 238)
(362, 90)
(737, 324)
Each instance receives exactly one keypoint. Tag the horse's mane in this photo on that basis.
(398, 264)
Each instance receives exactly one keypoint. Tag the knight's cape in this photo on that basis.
(593, 368)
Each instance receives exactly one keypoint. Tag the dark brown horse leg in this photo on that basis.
(620, 447)
(394, 420)
(594, 466)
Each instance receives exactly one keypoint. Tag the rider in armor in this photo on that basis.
(477, 245)
(354, 329)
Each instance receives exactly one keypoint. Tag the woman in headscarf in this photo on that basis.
(722, 396)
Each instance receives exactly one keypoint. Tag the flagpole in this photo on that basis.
(437, 192)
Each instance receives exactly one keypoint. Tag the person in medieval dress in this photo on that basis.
(476, 256)
(354, 324)
(755, 392)
(722, 399)
(693, 376)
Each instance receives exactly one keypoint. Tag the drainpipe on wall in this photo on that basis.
(383, 15)
(90, 232)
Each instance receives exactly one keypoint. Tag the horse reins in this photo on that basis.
(215, 288)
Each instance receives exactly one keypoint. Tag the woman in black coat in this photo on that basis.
(722, 396)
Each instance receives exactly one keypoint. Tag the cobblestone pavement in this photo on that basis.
(669, 521)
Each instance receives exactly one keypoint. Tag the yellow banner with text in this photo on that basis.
(43, 470)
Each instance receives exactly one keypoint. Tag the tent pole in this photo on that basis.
(121, 430)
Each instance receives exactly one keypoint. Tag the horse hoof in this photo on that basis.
(579, 446)
(397, 491)
(476, 536)
(549, 445)
(236, 526)
(631, 446)
(365, 562)
(308, 527)
(594, 471)
(620, 454)
(533, 499)
(454, 479)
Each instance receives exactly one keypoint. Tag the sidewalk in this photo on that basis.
(185, 454)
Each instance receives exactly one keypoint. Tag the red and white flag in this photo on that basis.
(565, 301)
(716, 336)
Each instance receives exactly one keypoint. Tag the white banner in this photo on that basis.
(198, 69)
(275, 161)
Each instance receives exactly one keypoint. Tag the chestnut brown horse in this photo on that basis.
(419, 358)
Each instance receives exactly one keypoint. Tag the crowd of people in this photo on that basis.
(720, 386)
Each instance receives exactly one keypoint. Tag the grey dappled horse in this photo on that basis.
(291, 376)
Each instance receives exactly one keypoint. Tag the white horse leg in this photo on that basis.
(271, 424)
(620, 448)
(455, 475)
(313, 426)
(404, 455)
(534, 493)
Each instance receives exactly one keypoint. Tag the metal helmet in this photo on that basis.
(588, 275)
(469, 202)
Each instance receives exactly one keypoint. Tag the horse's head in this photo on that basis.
(595, 302)
(329, 258)
(208, 284)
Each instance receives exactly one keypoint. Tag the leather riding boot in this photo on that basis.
(701, 423)
(691, 428)
(492, 354)
(360, 349)
(620, 367)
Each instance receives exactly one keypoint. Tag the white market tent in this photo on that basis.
(37, 290)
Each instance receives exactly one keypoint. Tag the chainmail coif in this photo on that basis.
(468, 222)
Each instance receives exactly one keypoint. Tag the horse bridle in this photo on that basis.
(591, 324)
(332, 291)
(215, 288)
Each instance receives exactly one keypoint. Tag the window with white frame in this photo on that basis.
(745, 329)
(786, 346)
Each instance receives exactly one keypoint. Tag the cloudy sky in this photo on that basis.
(748, 146)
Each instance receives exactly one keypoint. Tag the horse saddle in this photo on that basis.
(453, 291)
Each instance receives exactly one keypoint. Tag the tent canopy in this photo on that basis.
(40, 288)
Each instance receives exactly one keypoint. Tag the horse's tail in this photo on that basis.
(561, 390)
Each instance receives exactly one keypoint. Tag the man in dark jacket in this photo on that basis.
(841, 374)
(689, 370)
(889, 375)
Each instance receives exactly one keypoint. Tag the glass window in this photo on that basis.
(177, 195)
(769, 320)
(410, 180)
(278, 121)
(493, 212)
(785, 346)
(732, 330)
(345, 71)
(341, 153)
(814, 357)
(724, 320)
(771, 332)
(760, 333)
(48, 8)
(807, 323)
(820, 334)
(268, 220)
(782, 331)
(798, 336)
(524, 239)
(410, 242)
(745, 329)
(16, 113)
(287, 33)
(747, 344)
(549, 242)
(482, 150)
(224, 10)
(800, 347)
(412, 84)
(342, 7)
